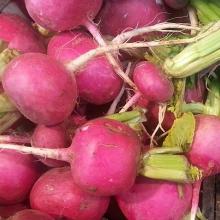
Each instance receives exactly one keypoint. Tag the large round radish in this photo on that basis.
(120, 15)
(104, 156)
(30, 214)
(153, 200)
(62, 15)
(152, 83)
(40, 87)
(204, 151)
(19, 35)
(18, 174)
(50, 137)
(97, 82)
(56, 194)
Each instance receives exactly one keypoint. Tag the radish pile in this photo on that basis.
(109, 109)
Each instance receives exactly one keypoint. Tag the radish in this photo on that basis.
(176, 4)
(65, 15)
(41, 88)
(19, 35)
(120, 15)
(56, 194)
(7, 211)
(97, 82)
(152, 83)
(18, 174)
(204, 151)
(104, 156)
(30, 214)
(150, 199)
(195, 90)
(50, 137)
(152, 116)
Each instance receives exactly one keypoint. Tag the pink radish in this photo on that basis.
(62, 15)
(19, 35)
(18, 174)
(97, 82)
(104, 156)
(50, 137)
(150, 199)
(152, 83)
(56, 194)
(204, 151)
(41, 88)
(120, 15)
(30, 214)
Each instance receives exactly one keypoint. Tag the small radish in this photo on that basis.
(40, 87)
(50, 137)
(19, 34)
(18, 174)
(30, 214)
(117, 16)
(55, 194)
(97, 82)
(195, 90)
(150, 199)
(151, 82)
(62, 15)
(104, 156)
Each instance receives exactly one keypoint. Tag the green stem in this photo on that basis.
(196, 107)
(169, 167)
(197, 56)
(128, 117)
(5, 104)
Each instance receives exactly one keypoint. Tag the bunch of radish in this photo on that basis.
(109, 109)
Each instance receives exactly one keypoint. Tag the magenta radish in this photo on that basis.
(65, 15)
(30, 214)
(151, 82)
(9, 210)
(104, 156)
(195, 90)
(19, 35)
(152, 117)
(56, 194)
(97, 82)
(41, 88)
(120, 15)
(204, 150)
(150, 199)
(50, 137)
(18, 174)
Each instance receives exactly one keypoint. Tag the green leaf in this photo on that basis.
(182, 132)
